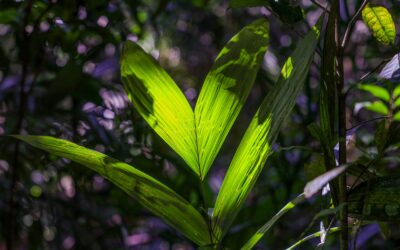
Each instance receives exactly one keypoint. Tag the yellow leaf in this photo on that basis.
(380, 22)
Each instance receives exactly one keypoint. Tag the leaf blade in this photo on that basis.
(226, 88)
(376, 199)
(159, 101)
(378, 107)
(313, 186)
(379, 20)
(254, 148)
(377, 91)
(152, 194)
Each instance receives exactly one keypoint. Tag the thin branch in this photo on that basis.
(351, 24)
(368, 121)
(374, 70)
(320, 6)
(365, 76)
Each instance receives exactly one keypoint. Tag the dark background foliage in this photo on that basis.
(59, 76)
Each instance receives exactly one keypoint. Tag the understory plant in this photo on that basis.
(197, 135)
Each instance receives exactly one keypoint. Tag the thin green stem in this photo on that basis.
(203, 184)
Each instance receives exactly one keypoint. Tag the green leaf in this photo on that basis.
(377, 107)
(396, 117)
(226, 89)
(396, 92)
(255, 148)
(397, 103)
(376, 91)
(264, 229)
(8, 15)
(284, 9)
(381, 23)
(329, 94)
(160, 102)
(150, 193)
(312, 236)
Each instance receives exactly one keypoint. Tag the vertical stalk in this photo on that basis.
(333, 109)
(344, 239)
(206, 206)
(339, 78)
(12, 232)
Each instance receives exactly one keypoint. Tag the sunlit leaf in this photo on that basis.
(380, 22)
(396, 117)
(312, 187)
(254, 148)
(396, 92)
(150, 193)
(378, 107)
(287, 68)
(160, 101)
(377, 199)
(376, 91)
(226, 88)
(397, 103)
(264, 229)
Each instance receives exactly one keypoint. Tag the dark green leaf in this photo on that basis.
(378, 199)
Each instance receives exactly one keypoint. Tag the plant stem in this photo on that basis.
(344, 238)
(351, 24)
(203, 184)
(320, 6)
(342, 160)
(12, 231)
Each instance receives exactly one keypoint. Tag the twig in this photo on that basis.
(368, 121)
(351, 24)
(365, 76)
(374, 69)
(320, 6)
